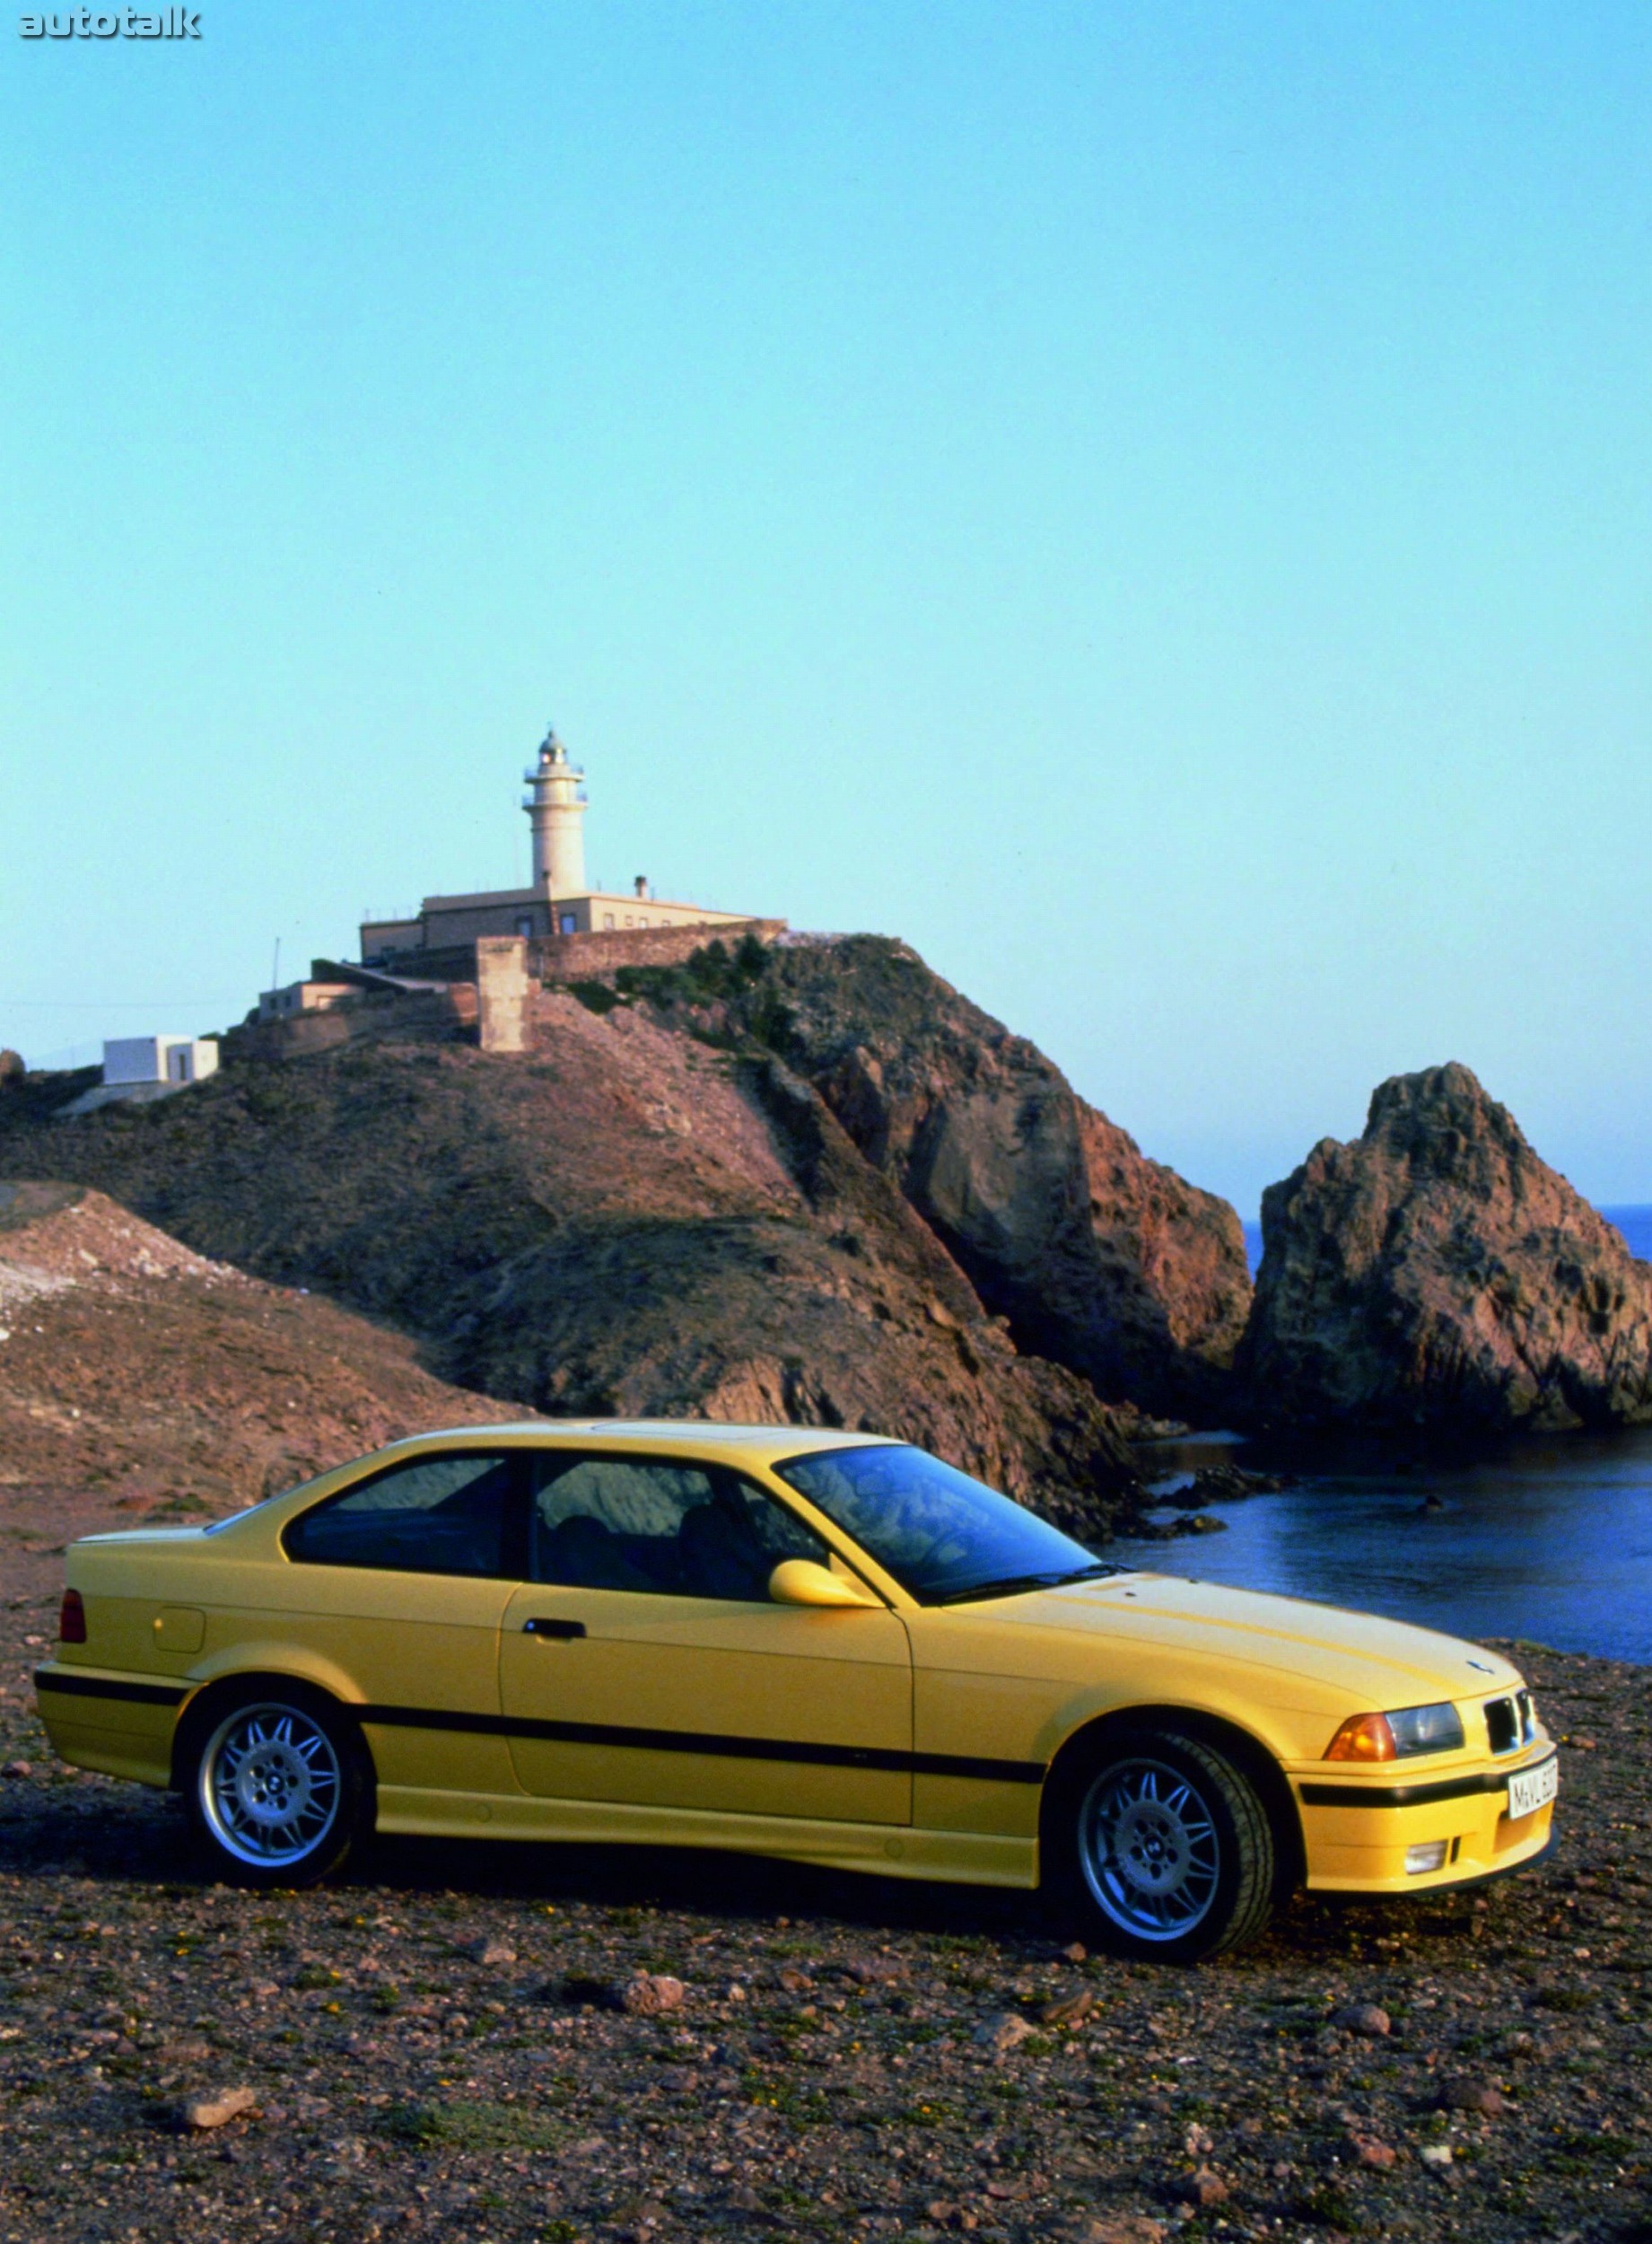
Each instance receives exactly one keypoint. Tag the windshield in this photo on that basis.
(940, 1534)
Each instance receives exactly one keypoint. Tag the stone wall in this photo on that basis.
(424, 1016)
(593, 958)
(596, 958)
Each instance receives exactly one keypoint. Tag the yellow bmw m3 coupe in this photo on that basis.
(814, 1644)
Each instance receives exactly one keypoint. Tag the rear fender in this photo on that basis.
(251, 1667)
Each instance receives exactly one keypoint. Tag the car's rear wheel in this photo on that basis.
(1160, 1847)
(280, 1787)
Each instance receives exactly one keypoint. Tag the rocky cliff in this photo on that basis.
(1436, 1272)
(1101, 1260)
(627, 1219)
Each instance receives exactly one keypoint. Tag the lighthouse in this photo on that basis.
(556, 808)
(558, 904)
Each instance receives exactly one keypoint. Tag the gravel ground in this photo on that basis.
(441, 2043)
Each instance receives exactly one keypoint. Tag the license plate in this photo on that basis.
(1530, 1789)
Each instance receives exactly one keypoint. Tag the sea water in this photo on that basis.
(1547, 1537)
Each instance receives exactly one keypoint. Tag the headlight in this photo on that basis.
(1427, 1730)
(1395, 1737)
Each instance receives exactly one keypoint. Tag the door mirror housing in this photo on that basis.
(800, 1581)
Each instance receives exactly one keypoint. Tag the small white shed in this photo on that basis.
(171, 1060)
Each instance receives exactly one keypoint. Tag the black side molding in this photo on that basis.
(804, 1752)
(104, 1686)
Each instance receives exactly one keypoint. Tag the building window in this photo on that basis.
(608, 919)
(569, 923)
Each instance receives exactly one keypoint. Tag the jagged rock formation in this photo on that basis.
(134, 1368)
(624, 1219)
(1436, 1272)
(1100, 1259)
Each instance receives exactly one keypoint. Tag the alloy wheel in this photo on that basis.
(271, 1785)
(1148, 1850)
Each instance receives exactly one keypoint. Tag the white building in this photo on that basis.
(140, 1069)
(171, 1060)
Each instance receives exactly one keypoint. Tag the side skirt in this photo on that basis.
(889, 1850)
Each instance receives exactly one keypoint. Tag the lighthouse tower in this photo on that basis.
(556, 808)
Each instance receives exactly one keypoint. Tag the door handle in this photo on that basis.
(553, 1628)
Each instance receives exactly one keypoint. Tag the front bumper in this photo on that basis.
(1357, 1827)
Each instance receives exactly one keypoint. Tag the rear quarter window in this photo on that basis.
(449, 1514)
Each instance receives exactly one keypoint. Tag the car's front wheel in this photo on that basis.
(1158, 1846)
(280, 1787)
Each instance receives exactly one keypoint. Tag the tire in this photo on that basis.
(281, 1786)
(1157, 1847)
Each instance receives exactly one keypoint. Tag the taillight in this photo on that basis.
(72, 1620)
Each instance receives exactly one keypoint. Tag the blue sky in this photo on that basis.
(1150, 504)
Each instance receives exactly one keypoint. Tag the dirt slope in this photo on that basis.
(135, 1371)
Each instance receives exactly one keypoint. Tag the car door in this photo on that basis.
(645, 1662)
(401, 1582)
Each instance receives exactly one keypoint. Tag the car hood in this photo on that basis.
(1386, 1663)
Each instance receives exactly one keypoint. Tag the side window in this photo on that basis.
(432, 1515)
(679, 1530)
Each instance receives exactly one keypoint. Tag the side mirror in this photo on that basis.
(800, 1581)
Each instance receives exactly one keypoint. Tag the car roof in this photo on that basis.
(759, 1444)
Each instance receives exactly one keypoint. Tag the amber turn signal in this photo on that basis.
(1362, 1738)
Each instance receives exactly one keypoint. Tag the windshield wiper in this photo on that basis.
(1011, 1584)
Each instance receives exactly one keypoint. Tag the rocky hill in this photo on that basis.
(656, 1209)
(136, 1374)
(1436, 1272)
(1100, 1259)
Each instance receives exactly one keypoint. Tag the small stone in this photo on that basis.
(1436, 2154)
(189, 2049)
(1365, 2018)
(652, 1993)
(1006, 2191)
(1201, 2189)
(736, 1994)
(18, 1768)
(1199, 2142)
(491, 1951)
(1473, 2096)
(1076, 1953)
(1067, 2009)
(202, 2112)
(1367, 2149)
(941, 2211)
(1002, 2032)
(1119, 2228)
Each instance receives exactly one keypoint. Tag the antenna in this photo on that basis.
(275, 972)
